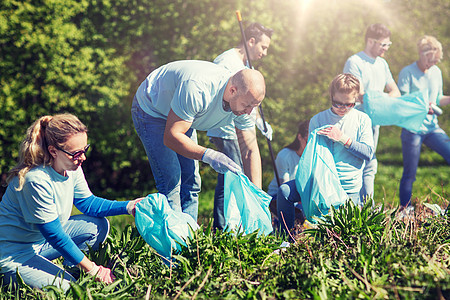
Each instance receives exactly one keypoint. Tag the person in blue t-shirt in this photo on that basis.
(36, 225)
(420, 75)
(224, 138)
(181, 97)
(352, 145)
(373, 72)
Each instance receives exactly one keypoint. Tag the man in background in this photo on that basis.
(373, 72)
(224, 138)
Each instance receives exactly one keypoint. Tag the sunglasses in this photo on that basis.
(384, 45)
(343, 105)
(77, 154)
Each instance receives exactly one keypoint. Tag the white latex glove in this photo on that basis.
(336, 135)
(102, 274)
(220, 162)
(436, 109)
(131, 206)
(260, 125)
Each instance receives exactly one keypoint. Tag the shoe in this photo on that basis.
(406, 212)
(283, 247)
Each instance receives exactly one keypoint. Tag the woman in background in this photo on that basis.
(420, 75)
(287, 164)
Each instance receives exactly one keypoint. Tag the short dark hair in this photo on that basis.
(377, 31)
(257, 30)
(303, 130)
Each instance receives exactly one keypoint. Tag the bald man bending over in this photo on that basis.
(181, 97)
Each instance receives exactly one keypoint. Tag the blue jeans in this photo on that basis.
(287, 197)
(436, 140)
(370, 169)
(39, 271)
(176, 176)
(232, 150)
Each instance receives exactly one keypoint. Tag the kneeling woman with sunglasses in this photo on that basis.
(351, 144)
(36, 225)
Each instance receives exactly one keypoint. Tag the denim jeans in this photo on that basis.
(39, 271)
(176, 176)
(436, 140)
(370, 169)
(232, 150)
(287, 197)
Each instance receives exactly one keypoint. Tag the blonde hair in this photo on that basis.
(46, 131)
(344, 83)
(429, 43)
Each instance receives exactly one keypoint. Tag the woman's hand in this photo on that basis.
(102, 274)
(131, 206)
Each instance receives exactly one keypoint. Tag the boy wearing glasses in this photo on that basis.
(351, 144)
(373, 72)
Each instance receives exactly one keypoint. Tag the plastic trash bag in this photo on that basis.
(317, 180)
(408, 111)
(164, 229)
(246, 206)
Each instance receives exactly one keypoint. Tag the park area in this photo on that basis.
(89, 57)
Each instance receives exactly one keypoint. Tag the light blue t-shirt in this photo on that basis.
(356, 125)
(412, 79)
(232, 62)
(373, 73)
(194, 90)
(45, 196)
(287, 165)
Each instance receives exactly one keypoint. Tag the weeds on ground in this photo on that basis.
(352, 253)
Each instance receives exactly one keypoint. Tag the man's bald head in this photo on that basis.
(248, 80)
(245, 90)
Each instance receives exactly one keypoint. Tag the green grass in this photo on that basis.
(352, 254)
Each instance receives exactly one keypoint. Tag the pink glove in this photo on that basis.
(336, 135)
(102, 274)
(131, 206)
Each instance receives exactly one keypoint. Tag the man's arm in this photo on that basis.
(393, 90)
(251, 158)
(176, 139)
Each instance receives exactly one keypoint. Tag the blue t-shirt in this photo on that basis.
(373, 73)
(287, 165)
(356, 125)
(193, 90)
(412, 79)
(231, 61)
(45, 196)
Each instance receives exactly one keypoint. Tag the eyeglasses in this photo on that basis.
(343, 105)
(384, 45)
(77, 154)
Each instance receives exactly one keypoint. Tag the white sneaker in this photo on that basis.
(407, 212)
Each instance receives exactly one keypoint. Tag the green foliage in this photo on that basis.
(88, 58)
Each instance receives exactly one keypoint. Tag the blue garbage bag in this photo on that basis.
(246, 206)
(164, 229)
(408, 111)
(317, 180)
